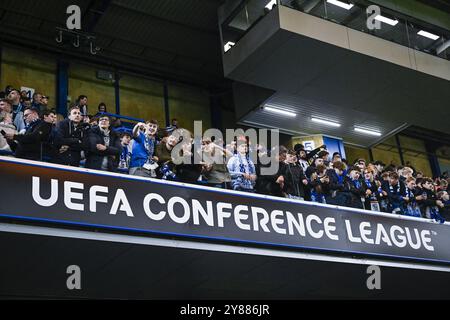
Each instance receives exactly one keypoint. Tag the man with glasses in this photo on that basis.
(29, 144)
(103, 147)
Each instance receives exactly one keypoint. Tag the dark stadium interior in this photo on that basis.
(362, 114)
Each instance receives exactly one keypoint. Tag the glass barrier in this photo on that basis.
(247, 14)
(387, 24)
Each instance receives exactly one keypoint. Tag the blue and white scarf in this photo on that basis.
(316, 197)
(149, 144)
(238, 165)
(412, 209)
(357, 184)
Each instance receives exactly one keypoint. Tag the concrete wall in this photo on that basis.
(139, 97)
(189, 105)
(414, 152)
(19, 68)
(83, 81)
(142, 98)
(387, 152)
(353, 153)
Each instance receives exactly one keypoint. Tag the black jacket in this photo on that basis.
(293, 176)
(69, 135)
(29, 145)
(309, 171)
(375, 193)
(395, 193)
(189, 172)
(94, 157)
(48, 148)
(334, 184)
(356, 193)
(266, 184)
(429, 202)
(335, 191)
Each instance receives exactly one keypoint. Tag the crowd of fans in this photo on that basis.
(32, 130)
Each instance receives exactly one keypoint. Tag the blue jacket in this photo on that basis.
(140, 153)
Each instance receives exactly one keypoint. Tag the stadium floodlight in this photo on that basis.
(326, 122)
(428, 35)
(270, 5)
(228, 46)
(346, 6)
(280, 111)
(367, 131)
(387, 20)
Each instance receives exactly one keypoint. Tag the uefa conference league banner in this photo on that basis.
(36, 191)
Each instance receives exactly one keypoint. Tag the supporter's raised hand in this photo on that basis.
(101, 147)
(207, 166)
(325, 179)
(63, 149)
(9, 136)
(280, 181)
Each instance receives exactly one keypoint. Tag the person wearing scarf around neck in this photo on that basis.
(242, 169)
(372, 192)
(395, 190)
(143, 155)
(445, 198)
(411, 207)
(318, 183)
(336, 193)
(355, 188)
(29, 144)
(103, 147)
(428, 202)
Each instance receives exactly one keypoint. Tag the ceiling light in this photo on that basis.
(280, 111)
(386, 20)
(326, 122)
(346, 6)
(428, 35)
(271, 4)
(228, 46)
(369, 132)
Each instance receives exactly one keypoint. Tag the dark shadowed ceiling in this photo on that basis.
(172, 38)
